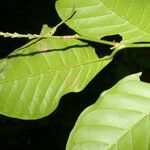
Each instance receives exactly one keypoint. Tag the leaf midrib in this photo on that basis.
(58, 70)
(130, 129)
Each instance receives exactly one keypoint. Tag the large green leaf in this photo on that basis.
(98, 18)
(33, 79)
(119, 120)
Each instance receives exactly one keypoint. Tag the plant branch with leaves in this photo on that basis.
(34, 77)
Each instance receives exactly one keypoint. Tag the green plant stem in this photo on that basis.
(137, 45)
(29, 36)
(76, 36)
(108, 57)
(94, 40)
(33, 36)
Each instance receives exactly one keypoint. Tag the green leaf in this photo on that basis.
(35, 77)
(99, 18)
(119, 120)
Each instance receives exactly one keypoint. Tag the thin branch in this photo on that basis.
(114, 45)
(17, 35)
(137, 45)
(33, 36)
(94, 40)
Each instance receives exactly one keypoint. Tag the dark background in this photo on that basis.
(52, 131)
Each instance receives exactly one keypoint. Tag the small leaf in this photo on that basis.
(99, 18)
(119, 120)
(35, 77)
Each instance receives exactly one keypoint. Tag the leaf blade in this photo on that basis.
(34, 78)
(118, 120)
(100, 18)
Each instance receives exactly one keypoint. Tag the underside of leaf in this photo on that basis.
(35, 77)
(99, 18)
(119, 120)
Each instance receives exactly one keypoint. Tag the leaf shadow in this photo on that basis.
(46, 51)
